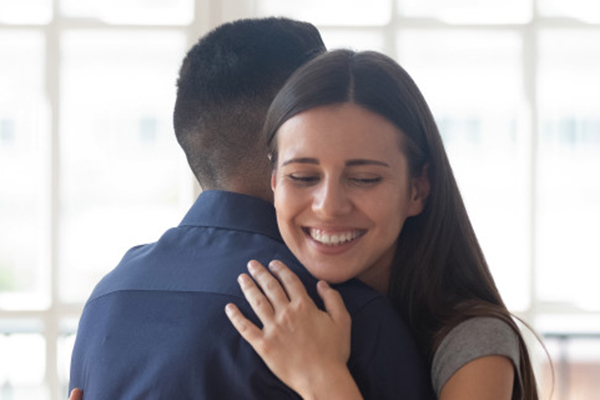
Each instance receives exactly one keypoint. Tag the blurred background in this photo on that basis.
(89, 165)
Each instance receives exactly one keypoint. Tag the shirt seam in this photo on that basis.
(162, 290)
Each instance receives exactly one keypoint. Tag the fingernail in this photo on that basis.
(251, 266)
(274, 265)
(229, 309)
(323, 284)
(243, 279)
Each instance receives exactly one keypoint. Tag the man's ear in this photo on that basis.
(420, 188)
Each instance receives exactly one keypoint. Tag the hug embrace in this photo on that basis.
(328, 168)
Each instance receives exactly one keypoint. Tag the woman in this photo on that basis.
(363, 189)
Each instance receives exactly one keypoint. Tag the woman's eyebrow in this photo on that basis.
(352, 163)
(302, 160)
(349, 163)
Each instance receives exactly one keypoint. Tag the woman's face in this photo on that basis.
(343, 191)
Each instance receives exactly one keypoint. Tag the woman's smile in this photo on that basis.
(334, 238)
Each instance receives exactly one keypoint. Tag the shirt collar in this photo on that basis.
(229, 210)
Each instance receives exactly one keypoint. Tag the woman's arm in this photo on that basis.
(308, 349)
(489, 377)
(478, 358)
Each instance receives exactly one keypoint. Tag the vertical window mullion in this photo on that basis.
(530, 55)
(52, 316)
(390, 31)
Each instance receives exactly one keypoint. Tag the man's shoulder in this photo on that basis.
(173, 292)
(219, 234)
(190, 258)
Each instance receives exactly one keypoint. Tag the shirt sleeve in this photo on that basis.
(472, 339)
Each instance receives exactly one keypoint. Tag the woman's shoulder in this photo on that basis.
(471, 339)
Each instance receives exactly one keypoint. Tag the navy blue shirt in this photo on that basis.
(155, 326)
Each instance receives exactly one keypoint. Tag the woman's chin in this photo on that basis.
(325, 273)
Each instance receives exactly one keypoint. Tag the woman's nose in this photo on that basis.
(331, 200)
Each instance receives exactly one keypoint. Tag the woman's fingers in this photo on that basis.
(291, 283)
(334, 304)
(250, 332)
(270, 286)
(298, 342)
(259, 303)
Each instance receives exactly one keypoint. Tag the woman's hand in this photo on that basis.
(76, 394)
(308, 349)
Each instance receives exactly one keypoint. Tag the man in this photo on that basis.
(155, 327)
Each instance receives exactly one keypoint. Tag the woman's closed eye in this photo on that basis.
(365, 181)
(303, 179)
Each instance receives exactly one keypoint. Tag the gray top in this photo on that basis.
(469, 340)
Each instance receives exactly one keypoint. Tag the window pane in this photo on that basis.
(124, 179)
(159, 12)
(576, 363)
(66, 342)
(585, 10)
(573, 342)
(24, 168)
(25, 11)
(468, 11)
(22, 377)
(330, 12)
(472, 81)
(569, 161)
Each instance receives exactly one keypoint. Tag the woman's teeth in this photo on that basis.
(334, 239)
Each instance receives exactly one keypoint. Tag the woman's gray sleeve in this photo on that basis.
(472, 339)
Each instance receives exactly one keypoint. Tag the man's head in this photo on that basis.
(225, 86)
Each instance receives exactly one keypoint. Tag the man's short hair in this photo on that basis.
(226, 84)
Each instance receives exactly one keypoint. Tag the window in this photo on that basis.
(569, 162)
(24, 132)
(118, 151)
(472, 82)
(89, 165)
